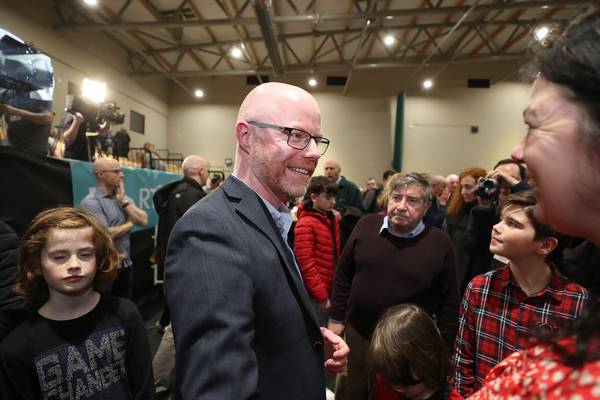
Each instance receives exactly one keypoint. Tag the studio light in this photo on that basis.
(94, 90)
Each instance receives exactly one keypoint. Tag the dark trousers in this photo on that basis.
(353, 384)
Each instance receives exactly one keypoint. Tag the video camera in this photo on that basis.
(93, 113)
(26, 75)
(488, 189)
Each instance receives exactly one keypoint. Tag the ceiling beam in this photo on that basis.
(386, 15)
(267, 28)
(408, 62)
(318, 33)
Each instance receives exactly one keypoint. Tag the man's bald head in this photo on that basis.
(105, 163)
(195, 167)
(264, 160)
(438, 184)
(332, 170)
(265, 101)
(108, 173)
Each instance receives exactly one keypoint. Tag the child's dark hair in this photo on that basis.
(407, 348)
(30, 281)
(527, 201)
(318, 185)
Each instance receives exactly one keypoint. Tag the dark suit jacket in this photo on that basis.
(243, 324)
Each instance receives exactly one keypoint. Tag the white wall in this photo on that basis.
(437, 136)
(76, 56)
(358, 129)
(361, 129)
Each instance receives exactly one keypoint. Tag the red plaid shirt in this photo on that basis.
(497, 318)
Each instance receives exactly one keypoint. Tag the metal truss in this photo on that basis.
(275, 39)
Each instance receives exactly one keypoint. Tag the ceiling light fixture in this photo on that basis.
(236, 52)
(427, 84)
(199, 93)
(91, 2)
(312, 82)
(541, 32)
(389, 40)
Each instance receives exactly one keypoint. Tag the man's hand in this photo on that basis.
(336, 328)
(78, 117)
(335, 351)
(8, 110)
(501, 176)
(120, 193)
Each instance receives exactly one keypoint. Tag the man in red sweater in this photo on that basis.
(317, 242)
(390, 260)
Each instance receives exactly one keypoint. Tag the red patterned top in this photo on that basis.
(539, 373)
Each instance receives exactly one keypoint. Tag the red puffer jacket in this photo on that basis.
(317, 248)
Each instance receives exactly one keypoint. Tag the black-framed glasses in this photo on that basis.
(297, 138)
(114, 171)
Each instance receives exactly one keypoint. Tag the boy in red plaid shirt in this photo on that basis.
(501, 309)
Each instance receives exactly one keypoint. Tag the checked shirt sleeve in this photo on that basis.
(464, 347)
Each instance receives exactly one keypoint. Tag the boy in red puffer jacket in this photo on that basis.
(317, 242)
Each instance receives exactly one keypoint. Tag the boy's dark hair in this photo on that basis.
(527, 201)
(522, 169)
(407, 348)
(318, 185)
(30, 281)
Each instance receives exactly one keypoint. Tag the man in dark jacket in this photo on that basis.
(173, 200)
(12, 307)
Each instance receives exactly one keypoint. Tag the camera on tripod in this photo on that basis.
(94, 114)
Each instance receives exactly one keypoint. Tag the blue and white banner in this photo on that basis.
(140, 185)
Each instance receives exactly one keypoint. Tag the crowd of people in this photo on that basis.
(424, 287)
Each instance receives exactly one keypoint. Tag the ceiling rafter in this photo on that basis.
(135, 49)
(509, 43)
(243, 27)
(375, 36)
(319, 18)
(284, 48)
(209, 31)
(365, 64)
(448, 18)
(347, 24)
(514, 16)
(370, 7)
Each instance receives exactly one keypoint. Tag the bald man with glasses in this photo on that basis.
(244, 325)
(118, 213)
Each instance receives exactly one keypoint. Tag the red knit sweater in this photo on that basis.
(317, 249)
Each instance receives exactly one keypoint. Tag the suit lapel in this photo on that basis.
(252, 208)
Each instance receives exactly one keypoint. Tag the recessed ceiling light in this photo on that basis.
(389, 40)
(312, 82)
(236, 52)
(427, 84)
(541, 32)
(199, 93)
(91, 2)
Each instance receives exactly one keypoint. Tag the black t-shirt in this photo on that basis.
(28, 136)
(103, 354)
(77, 149)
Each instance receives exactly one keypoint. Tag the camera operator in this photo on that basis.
(507, 177)
(78, 145)
(28, 131)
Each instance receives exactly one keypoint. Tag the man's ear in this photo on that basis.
(548, 244)
(243, 135)
(313, 197)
